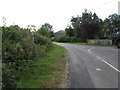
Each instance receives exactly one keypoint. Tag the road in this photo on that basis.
(92, 66)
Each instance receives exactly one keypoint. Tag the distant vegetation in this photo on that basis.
(89, 26)
(21, 49)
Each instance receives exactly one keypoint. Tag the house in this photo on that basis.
(59, 33)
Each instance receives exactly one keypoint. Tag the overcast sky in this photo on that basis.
(55, 12)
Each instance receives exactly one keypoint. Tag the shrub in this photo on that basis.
(20, 51)
(62, 39)
(12, 72)
(17, 43)
(65, 39)
(42, 40)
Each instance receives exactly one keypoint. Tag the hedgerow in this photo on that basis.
(19, 52)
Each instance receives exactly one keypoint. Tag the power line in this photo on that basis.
(108, 10)
(102, 4)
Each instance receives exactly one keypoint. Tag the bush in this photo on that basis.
(12, 72)
(62, 39)
(65, 39)
(72, 39)
(42, 40)
(20, 51)
(17, 44)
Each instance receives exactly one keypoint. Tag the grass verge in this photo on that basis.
(48, 72)
(82, 43)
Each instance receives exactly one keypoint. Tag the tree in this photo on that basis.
(47, 26)
(109, 24)
(106, 31)
(76, 21)
(46, 30)
(86, 26)
(31, 27)
(99, 22)
(86, 16)
(69, 31)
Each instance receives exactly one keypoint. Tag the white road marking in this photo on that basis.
(110, 65)
(97, 69)
(89, 50)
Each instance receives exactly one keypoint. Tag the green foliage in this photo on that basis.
(110, 23)
(89, 30)
(65, 39)
(69, 31)
(17, 44)
(13, 72)
(86, 26)
(20, 51)
(42, 40)
(47, 72)
(90, 26)
(46, 30)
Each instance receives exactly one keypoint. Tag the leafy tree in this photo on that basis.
(113, 21)
(76, 26)
(69, 31)
(89, 30)
(106, 31)
(86, 16)
(90, 25)
(85, 27)
(31, 27)
(46, 30)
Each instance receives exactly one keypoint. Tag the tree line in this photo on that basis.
(89, 26)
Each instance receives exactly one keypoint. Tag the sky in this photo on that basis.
(57, 13)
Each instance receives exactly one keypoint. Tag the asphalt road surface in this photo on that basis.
(92, 66)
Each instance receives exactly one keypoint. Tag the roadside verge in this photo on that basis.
(49, 72)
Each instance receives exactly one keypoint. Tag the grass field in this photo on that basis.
(49, 72)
